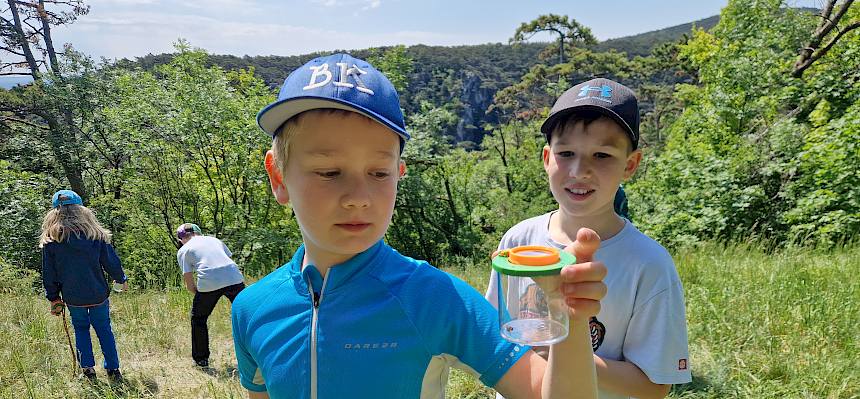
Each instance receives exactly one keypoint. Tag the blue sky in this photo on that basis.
(128, 28)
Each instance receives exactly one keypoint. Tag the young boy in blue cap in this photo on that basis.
(350, 317)
(640, 335)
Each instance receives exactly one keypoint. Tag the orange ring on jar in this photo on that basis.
(525, 255)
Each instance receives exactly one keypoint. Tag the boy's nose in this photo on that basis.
(357, 195)
(579, 168)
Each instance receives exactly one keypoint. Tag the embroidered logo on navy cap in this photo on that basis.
(604, 90)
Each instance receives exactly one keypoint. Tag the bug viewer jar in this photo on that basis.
(531, 306)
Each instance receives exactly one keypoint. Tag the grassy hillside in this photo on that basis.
(781, 325)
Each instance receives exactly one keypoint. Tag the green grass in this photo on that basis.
(761, 325)
(781, 325)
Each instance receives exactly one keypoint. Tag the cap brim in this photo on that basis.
(275, 114)
(550, 123)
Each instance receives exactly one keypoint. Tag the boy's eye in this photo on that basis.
(328, 174)
(380, 174)
(602, 155)
(565, 154)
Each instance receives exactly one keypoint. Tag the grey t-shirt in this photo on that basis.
(642, 318)
(210, 258)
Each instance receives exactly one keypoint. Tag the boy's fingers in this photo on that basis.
(582, 308)
(594, 290)
(493, 255)
(590, 271)
(586, 244)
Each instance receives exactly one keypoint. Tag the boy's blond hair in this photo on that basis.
(281, 143)
(64, 220)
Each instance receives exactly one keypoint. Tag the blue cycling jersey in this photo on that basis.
(383, 326)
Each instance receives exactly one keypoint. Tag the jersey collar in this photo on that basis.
(338, 275)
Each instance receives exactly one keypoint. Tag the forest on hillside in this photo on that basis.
(464, 79)
(751, 132)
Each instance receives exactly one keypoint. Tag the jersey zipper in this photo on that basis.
(315, 300)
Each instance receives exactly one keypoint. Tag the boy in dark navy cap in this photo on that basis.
(350, 317)
(640, 334)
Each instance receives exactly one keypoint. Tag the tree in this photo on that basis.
(25, 30)
(567, 29)
(829, 22)
(395, 64)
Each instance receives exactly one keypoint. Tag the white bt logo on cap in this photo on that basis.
(345, 73)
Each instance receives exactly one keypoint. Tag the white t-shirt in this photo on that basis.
(642, 318)
(210, 258)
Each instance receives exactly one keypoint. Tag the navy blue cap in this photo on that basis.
(66, 197)
(337, 81)
(606, 96)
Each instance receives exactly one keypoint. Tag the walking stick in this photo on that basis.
(69, 340)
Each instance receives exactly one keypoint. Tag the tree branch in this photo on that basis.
(16, 74)
(803, 66)
(9, 50)
(23, 122)
(811, 52)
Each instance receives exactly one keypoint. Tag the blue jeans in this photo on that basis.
(99, 318)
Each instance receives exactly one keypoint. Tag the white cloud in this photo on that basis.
(363, 4)
(130, 34)
(99, 3)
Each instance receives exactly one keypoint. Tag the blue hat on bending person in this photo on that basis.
(66, 197)
(337, 81)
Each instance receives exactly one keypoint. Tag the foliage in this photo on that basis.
(194, 152)
(568, 30)
(24, 201)
(827, 191)
(17, 280)
(396, 64)
(757, 153)
(735, 147)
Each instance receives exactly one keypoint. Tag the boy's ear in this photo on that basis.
(545, 154)
(276, 180)
(632, 164)
(402, 168)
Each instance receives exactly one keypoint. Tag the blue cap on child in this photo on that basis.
(66, 197)
(337, 81)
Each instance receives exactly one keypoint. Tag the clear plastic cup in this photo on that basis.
(531, 306)
(117, 287)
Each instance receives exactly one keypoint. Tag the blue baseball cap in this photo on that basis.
(337, 81)
(66, 197)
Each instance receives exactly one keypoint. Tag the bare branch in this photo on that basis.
(16, 74)
(812, 51)
(828, 8)
(10, 50)
(803, 66)
(35, 29)
(23, 122)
